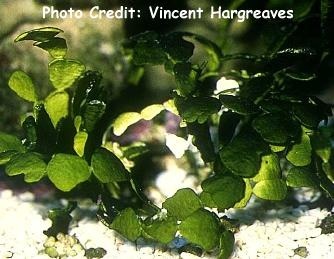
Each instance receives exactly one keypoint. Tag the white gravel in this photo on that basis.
(277, 233)
(273, 233)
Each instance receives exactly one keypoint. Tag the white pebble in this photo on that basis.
(185, 255)
(6, 194)
(7, 254)
(26, 196)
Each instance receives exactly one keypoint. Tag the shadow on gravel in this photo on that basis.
(288, 211)
(41, 190)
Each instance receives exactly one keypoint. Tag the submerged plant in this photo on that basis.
(271, 134)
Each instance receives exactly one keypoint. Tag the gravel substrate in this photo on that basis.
(264, 233)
